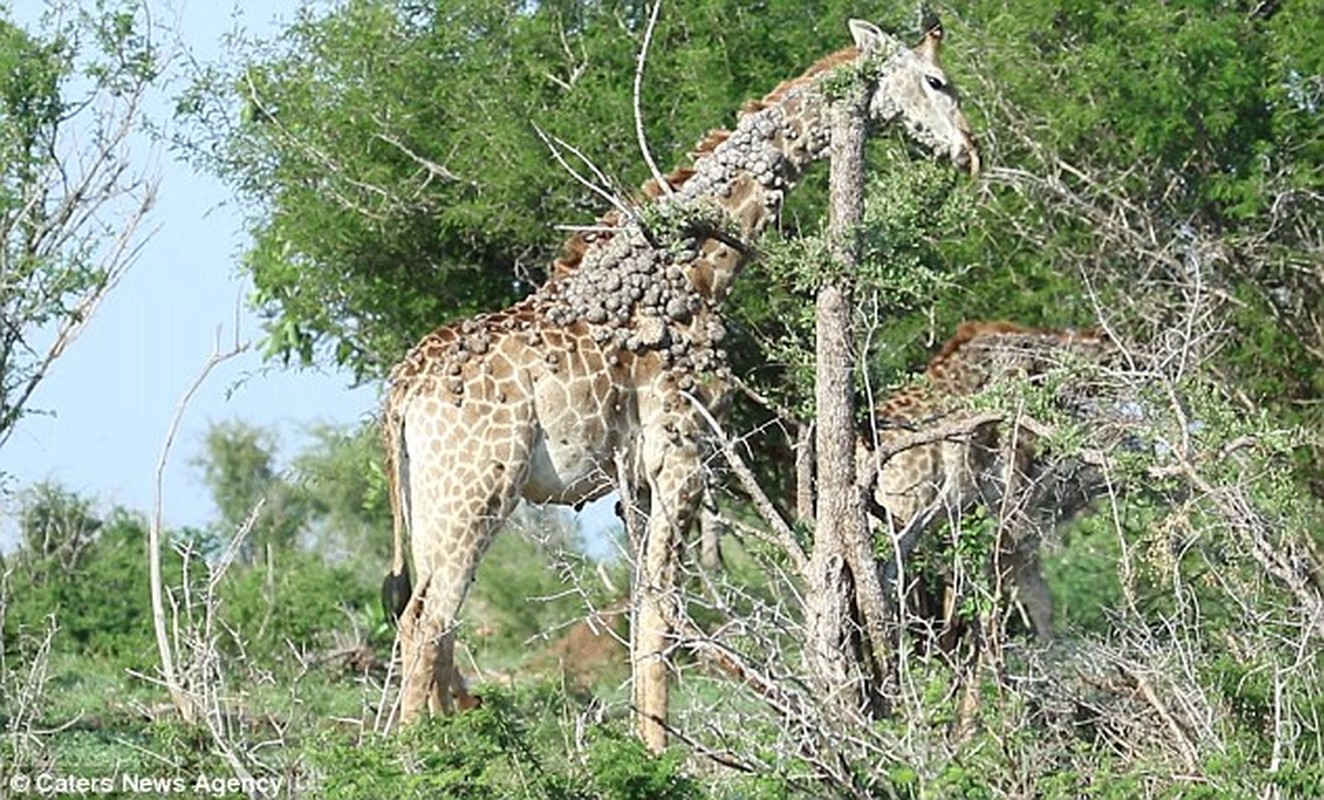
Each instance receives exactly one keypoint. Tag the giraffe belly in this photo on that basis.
(579, 413)
(569, 472)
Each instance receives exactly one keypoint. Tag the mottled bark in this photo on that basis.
(840, 563)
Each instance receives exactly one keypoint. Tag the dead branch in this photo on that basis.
(782, 533)
(174, 685)
(641, 138)
(555, 145)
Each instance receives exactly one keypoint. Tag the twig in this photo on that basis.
(782, 533)
(555, 144)
(1179, 734)
(432, 167)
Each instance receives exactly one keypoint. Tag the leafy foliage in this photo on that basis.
(238, 465)
(909, 206)
(297, 602)
(1143, 146)
(407, 135)
(69, 208)
(83, 571)
(340, 474)
(511, 747)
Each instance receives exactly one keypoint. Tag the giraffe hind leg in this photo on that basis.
(450, 691)
(417, 658)
(464, 478)
(447, 561)
(430, 680)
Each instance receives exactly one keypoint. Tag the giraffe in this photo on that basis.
(592, 376)
(984, 460)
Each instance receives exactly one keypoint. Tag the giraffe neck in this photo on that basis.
(982, 351)
(653, 284)
(748, 171)
(745, 173)
(736, 183)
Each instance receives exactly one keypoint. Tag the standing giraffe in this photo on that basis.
(598, 369)
(986, 461)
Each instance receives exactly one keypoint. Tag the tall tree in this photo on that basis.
(340, 472)
(250, 492)
(390, 153)
(71, 207)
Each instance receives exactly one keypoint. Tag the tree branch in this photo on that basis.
(185, 705)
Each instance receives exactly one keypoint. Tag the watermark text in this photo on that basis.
(49, 784)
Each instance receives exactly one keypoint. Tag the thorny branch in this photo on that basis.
(781, 531)
(555, 145)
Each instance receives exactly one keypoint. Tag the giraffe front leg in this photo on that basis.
(1022, 564)
(674, 478)
(654, 592)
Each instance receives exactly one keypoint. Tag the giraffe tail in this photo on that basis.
(396, 587)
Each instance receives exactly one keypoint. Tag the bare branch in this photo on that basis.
(662, 184)
(432, 167)
(554, 145)
(75, 236)
(783, 535)
(187, 708)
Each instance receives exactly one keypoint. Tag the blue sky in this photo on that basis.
(107, 403)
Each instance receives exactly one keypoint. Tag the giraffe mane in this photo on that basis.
(825, 64)
(576, 246)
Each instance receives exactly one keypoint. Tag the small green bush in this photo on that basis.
(100, 599)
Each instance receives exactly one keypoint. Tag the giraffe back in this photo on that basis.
(954, 469)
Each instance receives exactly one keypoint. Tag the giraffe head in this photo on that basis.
(913, 90)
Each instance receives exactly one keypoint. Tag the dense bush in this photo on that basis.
(298, 601)
(515, 745)
(85, 574)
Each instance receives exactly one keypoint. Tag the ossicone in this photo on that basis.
(932, 42)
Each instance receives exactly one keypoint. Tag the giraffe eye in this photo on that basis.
(935, 83)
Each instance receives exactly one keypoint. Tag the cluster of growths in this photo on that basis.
(766, 147)
(635, 296)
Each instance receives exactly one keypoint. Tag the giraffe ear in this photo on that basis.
(928, 48)
(868, 37)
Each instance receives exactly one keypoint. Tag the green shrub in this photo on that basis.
(514, 746)
(99, 598)
(300, 600)
(623, 769)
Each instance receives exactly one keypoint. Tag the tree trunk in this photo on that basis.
(849, 638)
(833, 634)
